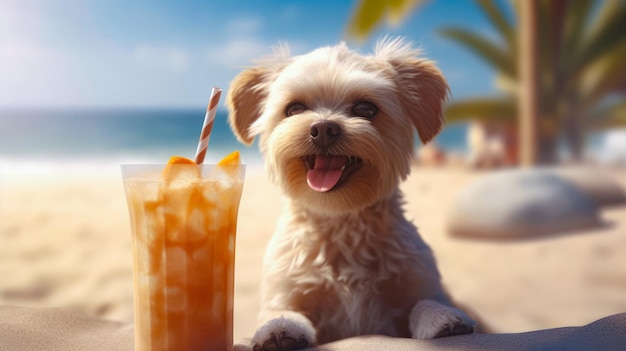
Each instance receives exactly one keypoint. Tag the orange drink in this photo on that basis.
(183, 223)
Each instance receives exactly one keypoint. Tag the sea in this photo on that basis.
(38, 137)
(34, 139)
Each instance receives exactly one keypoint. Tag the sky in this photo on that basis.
(168, 53)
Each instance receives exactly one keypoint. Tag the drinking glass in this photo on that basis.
(183, 224)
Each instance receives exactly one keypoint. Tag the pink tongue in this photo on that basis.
(326, 173)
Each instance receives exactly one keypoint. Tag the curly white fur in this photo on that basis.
(345, 262)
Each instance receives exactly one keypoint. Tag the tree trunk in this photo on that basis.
(574, 133)
(547, 140)
(529, 88)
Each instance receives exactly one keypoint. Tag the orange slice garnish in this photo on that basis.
(232, 159)
(231, 164)
(179, 160)
(173, 170)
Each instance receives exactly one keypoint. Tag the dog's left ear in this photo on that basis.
(422, 87)
(245, 97)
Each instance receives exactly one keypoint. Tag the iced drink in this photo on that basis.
(183, 220)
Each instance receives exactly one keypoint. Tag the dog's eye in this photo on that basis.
(364, 109)
(294, 109)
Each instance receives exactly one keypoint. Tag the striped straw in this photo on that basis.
(209, 118)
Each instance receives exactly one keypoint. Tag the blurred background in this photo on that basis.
(534, 145)
(110, 79)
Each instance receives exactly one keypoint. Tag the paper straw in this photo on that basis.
(207, 126)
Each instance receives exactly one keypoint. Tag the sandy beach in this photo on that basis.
(65, 242)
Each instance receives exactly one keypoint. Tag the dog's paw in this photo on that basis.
(430, 319)
(290, 331)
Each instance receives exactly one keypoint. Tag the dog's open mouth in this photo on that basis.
(328, 172)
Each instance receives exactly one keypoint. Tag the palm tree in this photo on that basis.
(580, 76)
(581, 79)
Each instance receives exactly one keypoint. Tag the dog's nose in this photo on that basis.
(324, 133)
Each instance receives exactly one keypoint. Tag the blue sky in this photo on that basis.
(170, 53)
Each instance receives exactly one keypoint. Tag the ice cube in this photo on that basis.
(181, 171)
(201, 256)
(226, 177)
(177, 199)
(176, 264)
(210, 190)
(196, 225)
(175, 298)
(174, 224)
(175, 234)
(177, 176)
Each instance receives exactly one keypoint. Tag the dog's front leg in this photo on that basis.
(431, 319)
(282, 331)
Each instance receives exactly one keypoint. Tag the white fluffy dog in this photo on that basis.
(336, 130)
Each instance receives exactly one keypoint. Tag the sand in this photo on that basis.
(65, 242)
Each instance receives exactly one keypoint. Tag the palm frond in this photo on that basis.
(399, 9)
(369, 13)
(605, 76)
(607, 33)
(608, 117)
(500, 22)
(499, 57)
(487, 109)
(575, 23)
(366, 16)
(550, 18)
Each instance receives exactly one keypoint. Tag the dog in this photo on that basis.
(336, 131)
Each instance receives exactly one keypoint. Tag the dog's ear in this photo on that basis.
(245, 99)
(422, 87)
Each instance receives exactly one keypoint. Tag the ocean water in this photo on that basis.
(131, 135)
(106, 136)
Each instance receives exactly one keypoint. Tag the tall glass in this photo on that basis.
(183, 224)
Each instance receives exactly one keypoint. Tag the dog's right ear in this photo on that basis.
(423, 88)
(245, 98)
